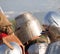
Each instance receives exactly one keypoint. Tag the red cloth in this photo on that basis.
(2, 35)
(26, 52)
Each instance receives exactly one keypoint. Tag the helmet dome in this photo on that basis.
(27, 27)
(52, 18)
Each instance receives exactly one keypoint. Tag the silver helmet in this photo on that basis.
(52, 20)
(27, 27)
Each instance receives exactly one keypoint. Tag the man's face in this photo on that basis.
(4, 28)
(9, 29)
(54, 31)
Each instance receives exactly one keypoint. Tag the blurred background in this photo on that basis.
(38, 8)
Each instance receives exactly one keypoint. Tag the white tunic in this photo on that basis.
(5, 50)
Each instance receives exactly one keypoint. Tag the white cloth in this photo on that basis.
(52, 18)
(5, 50)
(38, 48)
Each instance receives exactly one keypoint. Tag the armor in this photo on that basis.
(5, 50)
(37, 48)
(27, 26)
(54, 48)
(6, 30)
(52, 20)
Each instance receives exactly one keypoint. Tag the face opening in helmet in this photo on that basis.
(54, 31)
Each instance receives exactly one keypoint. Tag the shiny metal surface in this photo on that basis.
(27, 26)
(38, 48)
(54, 48)
(52, 18)
(5, 50)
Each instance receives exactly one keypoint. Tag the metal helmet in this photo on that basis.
(5, 50)
(38, 48)
(27, 27)
(52, 18)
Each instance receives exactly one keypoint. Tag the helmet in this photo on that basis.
(38, 48)
(27, 27)
(52, 18)
(5, 50)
